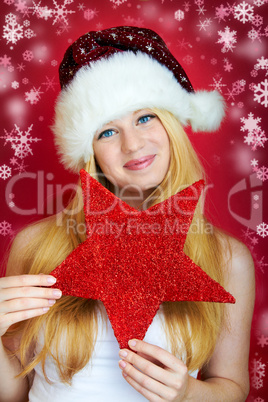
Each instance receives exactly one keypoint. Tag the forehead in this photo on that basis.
(127, 117)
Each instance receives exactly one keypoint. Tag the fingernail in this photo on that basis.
(123, 353)
(132, 343)
(45, 309)
(122, 364)
(51, 279)
(51, 302)
(57, 293)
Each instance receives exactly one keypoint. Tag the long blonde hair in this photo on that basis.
(192, 327)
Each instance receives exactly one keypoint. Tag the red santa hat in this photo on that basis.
(106, 74)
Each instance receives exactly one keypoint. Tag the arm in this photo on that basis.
(20, 299)
(226, 376)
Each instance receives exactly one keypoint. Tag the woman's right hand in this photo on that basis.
(25, 296)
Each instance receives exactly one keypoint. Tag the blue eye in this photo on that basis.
(106, 134)
(145, 119)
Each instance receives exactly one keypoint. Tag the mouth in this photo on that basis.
(141, 163)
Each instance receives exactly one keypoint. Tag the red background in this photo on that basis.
(227, 158)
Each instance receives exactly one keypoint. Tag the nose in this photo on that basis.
(131, 140)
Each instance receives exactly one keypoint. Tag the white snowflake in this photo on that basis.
(256, 138)
(243, 12)
(217, 84)
(15, 85)
(257, 371)
(251, 123)
(262, 229)
(259, 3)
(5, 228)
(179, 15)
(45, 13)
(201, 10)
(29, 33)
(13, 31)
(33, 96)
(254, 34)
(60, 12)
(254, 163)
(262, 64)
(262, 173)
(118, 2)
(228, 39)
(20, 142)
(204, 24)
(5, 172)
(261, 93)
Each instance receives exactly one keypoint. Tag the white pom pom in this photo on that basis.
(208, 110)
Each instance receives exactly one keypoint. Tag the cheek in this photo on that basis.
(104, 158)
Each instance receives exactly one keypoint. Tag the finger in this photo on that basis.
(27, 280)
(6, 320)
(150, 396)
(144, 365)
(29, 292)
(15, 305)
(142, 381)
(166, 358)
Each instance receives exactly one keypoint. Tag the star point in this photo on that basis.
(129, 266)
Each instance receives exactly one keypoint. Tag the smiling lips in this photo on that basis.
(138, 164)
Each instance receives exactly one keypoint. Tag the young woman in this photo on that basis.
(120, 116)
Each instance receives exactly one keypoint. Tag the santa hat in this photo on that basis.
(106, 74)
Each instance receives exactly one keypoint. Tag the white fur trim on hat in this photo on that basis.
(111, 88)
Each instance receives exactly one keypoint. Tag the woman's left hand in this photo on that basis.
(154, 372)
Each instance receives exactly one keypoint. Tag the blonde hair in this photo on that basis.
(192, 327)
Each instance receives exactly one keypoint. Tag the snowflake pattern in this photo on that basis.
(60, 12)
(20, 141)
(5, 228)
(262, 340)
(262, 229)
(243, 12)
(228, 39)
(222, 12)
(33, 96)
(5, 61)
(5, 172)
(179, 15)
(261, 93)
(118, 2)
(251, 123)
(13, 31)
(257, 371)
(262, 173)
(246, 24)
(256, 138)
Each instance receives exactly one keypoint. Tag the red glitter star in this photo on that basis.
(133, 260)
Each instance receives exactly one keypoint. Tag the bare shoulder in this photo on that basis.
(238, 263)
(20, 243)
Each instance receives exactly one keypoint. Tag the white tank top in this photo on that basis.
(101, 379)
